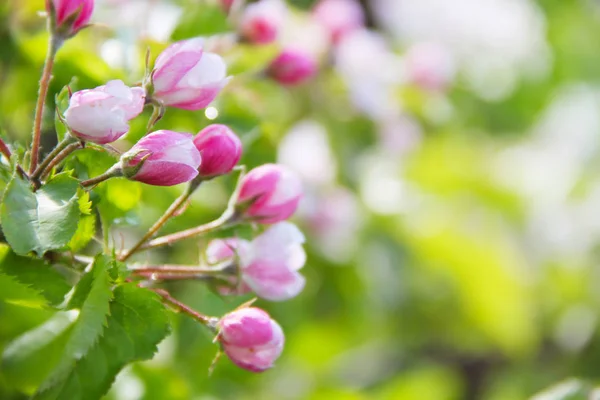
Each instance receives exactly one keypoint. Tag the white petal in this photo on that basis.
(210, 69)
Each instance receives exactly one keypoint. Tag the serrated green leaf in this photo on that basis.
(92, 296)
(85, 204)
(34, 274)
(86, 228)
(43, 220)
(93, 311)
(15, 292)
(28, 359)
(137, 323)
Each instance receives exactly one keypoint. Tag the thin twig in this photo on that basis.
(227, 219)
(224, 221)
(114, 171)
(60, 157)
(216, 269)
(207, 321)
(176, 205)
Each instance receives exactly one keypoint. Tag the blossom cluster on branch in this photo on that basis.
(186, 75)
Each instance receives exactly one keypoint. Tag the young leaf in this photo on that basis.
(43, 220)
(86, 228)
(35, 274)
(62, 103)
(137, 323)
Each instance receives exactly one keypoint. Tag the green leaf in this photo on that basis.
(572, 389)
(86, 228)
(137, 323)
(62, 103)
(43, 220)
(93, 310)
(35, 274)
(15, 292)
(28, 359)
(92, 296)
(200, 21)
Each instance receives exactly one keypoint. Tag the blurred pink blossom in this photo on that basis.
(339, 16)
(261, 22)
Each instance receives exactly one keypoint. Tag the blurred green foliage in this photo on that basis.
(445, 301)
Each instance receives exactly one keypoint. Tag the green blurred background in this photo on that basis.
(452, 240)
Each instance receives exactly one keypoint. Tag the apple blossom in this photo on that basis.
(292, 67)
(101, 115)
(185, 76)
(162, 158)
(72, 15)
(251, 339)
(268, 265)
(261, 21)
(269, 193)
(220, 148)
(339, 16)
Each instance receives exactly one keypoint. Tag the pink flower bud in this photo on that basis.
(72, 15)
(101, 115)
(221, 149)
(269, 193)
(251, 339)
(339, 16)
(292, 67)
(268, 264)
(187, 77)
(162, 158)
(262, 21)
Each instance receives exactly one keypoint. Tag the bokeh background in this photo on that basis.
(449, 152)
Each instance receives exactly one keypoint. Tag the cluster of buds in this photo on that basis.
(188, 77)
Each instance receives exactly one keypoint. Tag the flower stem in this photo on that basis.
(114, 171)
(176, 205)
(224, 221)
(53, 46)
(60, 157)
(224, 267)
(66, 143)
(229, 218)
(210, 322)
(177, 276)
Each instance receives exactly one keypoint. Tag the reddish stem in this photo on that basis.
(4, 150)
(179, 306)
(53, 45)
